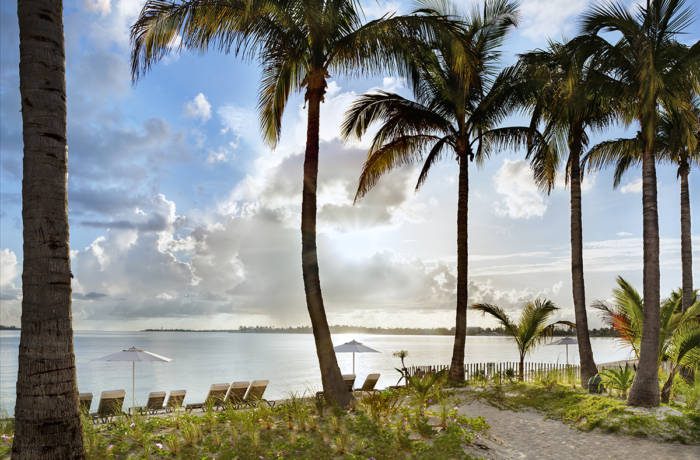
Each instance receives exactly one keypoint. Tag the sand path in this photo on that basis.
(528, 435)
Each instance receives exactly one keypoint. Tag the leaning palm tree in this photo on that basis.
(47, 419)
(678, 142)
(678, 327)
(646, 67)
(299, 44)
(457, 107)
(532, 328)
(561, 90)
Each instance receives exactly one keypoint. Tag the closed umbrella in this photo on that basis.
(134, 355)
(565, 341)
(353, 347)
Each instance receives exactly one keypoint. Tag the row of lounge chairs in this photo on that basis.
(236, 394)
(367, 387)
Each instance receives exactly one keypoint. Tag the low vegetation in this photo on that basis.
(420, 422)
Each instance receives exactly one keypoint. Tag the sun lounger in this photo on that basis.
(254, 396)
(236, 394)
(215, 398)
(349, 380)
(175, 400)
(154, 403)
(370, 382)
(85, 402)
(110, 405)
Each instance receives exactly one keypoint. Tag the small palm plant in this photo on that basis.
(618, 379)
(530, 330)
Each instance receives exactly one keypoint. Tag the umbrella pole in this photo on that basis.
(133, 393)
(353, 362)
(567, 354)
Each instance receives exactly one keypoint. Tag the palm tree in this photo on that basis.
(456, 108)
(646, 67)
(47, 419)
(298, 43)
(678, 328)
(677, 141)
(530, 330)
(561, 91)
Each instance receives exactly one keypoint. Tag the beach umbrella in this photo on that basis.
(353, 347)
(134, 355)
(565, 341)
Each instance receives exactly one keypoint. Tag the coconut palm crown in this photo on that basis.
(457, 106)
(299, 45)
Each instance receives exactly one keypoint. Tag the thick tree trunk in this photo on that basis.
(686, 244)
(47, 420)
(588, 367)
(457, 365)
(334, 388)
(645, 388)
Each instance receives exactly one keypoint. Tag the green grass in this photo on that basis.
(389, 426)
(587, 411)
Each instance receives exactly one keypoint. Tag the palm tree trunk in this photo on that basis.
(457, 365)
(521, 367)
(588, 367)
(645, 388)
(686, 244)
(666, 390)
(47, 419)
(334, 388)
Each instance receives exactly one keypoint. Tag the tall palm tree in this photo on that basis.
(647, 68)
(458, 104)
(679, 328)
(531, 329)
(47, 419)
(299, 44)
(678, 142)
(561, 90)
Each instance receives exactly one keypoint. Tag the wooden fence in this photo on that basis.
(503, 369)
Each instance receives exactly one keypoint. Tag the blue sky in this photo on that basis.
(182, 217)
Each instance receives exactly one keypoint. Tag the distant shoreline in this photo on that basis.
(471, 331)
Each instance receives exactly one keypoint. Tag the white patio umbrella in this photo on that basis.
(134, 355)
(565, 341)
(353, 347)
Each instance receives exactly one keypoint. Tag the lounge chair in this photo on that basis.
(154, 403)
(175, 400)
(85, 402)
(254, 396)
(215, 398)
(370, 383)
(111, 403)
(349, 380)
(236, 394)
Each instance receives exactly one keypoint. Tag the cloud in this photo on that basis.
(8, 268)
(198, 108)
(520, 197)
(634, 186)
(624, 234)
(549, 18)
(103, 7)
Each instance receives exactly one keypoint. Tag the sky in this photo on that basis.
(182, 217)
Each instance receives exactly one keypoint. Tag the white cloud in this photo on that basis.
(198, 108)
(549, 18)
(8, 268)
(624, 234)
(634, 186)
(102, 7)
(520, 197)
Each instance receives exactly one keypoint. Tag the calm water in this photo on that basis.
(287, 360)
